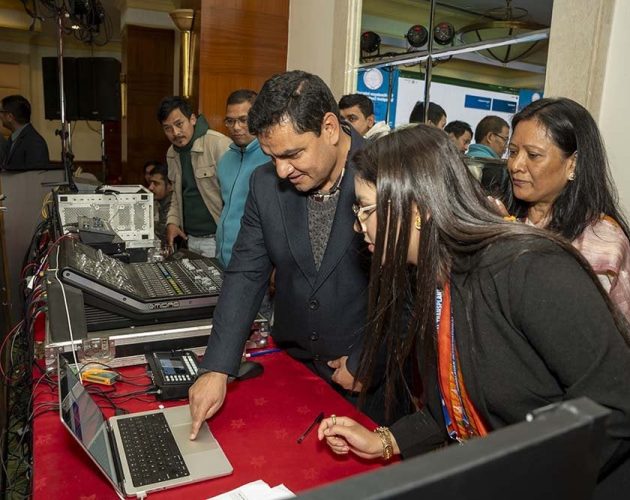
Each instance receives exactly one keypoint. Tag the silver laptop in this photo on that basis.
(139, 452)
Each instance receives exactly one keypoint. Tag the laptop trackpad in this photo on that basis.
(204, 442)
(203, 456)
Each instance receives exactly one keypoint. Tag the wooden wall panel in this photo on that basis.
(147, 57)
(242, 44)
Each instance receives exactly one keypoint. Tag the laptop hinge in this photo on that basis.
(115, 455)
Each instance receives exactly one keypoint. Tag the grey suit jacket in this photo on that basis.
(319, 315)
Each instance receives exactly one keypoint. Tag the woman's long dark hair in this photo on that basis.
(420, 167)
(592, 193)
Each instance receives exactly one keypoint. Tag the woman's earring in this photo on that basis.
(418, 223)
(572, 176)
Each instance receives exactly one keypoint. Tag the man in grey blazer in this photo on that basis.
(298, 219)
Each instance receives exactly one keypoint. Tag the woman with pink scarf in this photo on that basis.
(561, 181)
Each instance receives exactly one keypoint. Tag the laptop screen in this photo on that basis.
(83, 417)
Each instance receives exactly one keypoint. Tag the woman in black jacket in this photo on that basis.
(483, 319)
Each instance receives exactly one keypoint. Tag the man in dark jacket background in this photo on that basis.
(26, 149)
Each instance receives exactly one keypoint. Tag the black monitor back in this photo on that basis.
(553, 456)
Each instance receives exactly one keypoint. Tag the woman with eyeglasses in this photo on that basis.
(483, 320)
(561, 181)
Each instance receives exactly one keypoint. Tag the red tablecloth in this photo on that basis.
(257, 428)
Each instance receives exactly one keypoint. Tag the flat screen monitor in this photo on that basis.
(552, 455)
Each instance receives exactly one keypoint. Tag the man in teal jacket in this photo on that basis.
(234, 170)
(491, 138)
(492, 135)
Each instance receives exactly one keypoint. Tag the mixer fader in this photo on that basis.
(174, 287)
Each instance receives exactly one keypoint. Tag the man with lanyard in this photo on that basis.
(192, 160)
(298, 218)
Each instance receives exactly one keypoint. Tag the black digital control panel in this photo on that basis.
(173, 372)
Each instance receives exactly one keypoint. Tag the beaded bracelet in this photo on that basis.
(386, 439)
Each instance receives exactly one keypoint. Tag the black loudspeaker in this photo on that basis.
(92, 88)
(98, 86)
(51, 88)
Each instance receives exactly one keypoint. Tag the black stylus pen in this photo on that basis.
(317, 420)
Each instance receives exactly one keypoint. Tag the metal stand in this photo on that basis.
(66, 149)
(429, 65)
(390, 91)
(103, 155)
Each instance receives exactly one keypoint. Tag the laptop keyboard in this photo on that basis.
(151, 451)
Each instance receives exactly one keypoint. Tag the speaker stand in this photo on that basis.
(104, 158)
(66, 151)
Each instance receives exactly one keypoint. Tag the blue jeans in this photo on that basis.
(203, 245)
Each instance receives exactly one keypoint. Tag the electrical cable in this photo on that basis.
(67, 310)
(18, 373)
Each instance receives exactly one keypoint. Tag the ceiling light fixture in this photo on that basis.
(370, 42)
(417, 36)
(505, 22)
(443, 33)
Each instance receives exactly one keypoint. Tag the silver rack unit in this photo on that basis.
(127, 209)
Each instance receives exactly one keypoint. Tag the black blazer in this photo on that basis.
(4, 149)
(319, 315)
(29, 152)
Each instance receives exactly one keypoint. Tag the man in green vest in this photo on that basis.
(192, 160)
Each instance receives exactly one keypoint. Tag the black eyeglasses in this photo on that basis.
(505, 139)
(230, 122)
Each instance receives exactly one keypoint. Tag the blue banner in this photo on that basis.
(375, 83)
(477, 102)
(526, 96)
(503, 106)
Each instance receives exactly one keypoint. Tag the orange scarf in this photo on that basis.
(462, 419)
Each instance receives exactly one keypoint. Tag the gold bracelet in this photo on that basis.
(386, 439)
